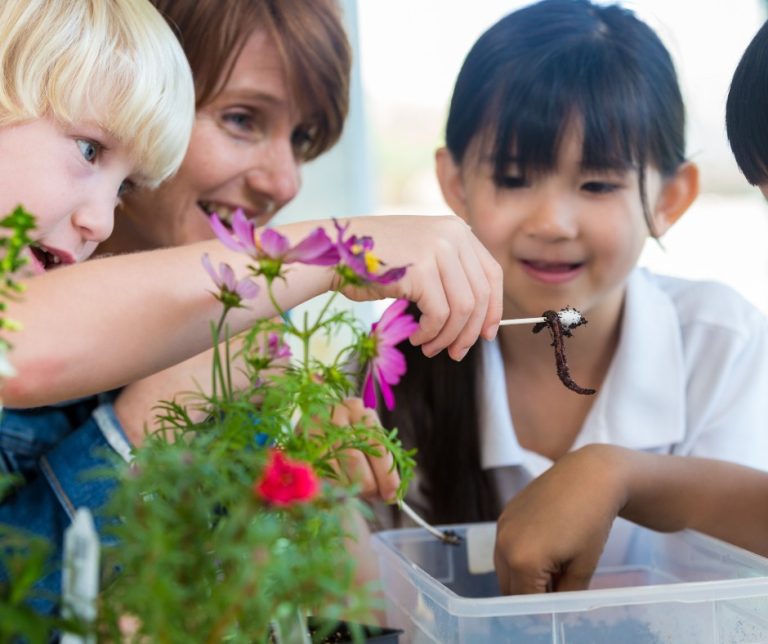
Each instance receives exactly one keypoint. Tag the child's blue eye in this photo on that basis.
(88, 149)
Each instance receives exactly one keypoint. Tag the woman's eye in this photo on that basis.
(241, 120)
(89, 149)
(302, 139)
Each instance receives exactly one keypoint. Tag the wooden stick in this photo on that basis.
(445, 537)
(512, 321)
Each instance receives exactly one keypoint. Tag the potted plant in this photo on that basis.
(235, 527)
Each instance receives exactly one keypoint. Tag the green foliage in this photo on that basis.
(201, 553)
(13, 240)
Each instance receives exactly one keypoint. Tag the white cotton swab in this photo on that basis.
(514, 321)
(569, 317)
(446, 537)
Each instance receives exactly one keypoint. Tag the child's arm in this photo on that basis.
(551, 535)
(104, 323)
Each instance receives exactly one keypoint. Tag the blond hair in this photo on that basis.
(112, 62)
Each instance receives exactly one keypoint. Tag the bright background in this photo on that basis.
(408, 53)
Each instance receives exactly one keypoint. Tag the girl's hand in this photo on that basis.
(551, 535)
(375, 474)
(451, 277)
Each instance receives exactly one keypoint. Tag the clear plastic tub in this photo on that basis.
(669, 589)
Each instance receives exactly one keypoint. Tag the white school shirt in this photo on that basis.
(689, 377)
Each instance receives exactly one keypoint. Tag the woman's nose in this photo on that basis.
(278, 173)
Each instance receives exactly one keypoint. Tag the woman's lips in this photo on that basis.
(551, 272)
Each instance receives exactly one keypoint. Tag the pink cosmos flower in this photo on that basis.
(316, 248)
(286, 482)
(387, 365)
(231, 290)
(356, 253)
(276, 348)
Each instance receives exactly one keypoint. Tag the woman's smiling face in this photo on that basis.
(245, 152)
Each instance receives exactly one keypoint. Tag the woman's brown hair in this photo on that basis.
(309, 36)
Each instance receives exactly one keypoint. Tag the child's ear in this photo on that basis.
(451, 182)
(677, 194)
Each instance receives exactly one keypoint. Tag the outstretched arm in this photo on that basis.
(101, 324)
(551, 535)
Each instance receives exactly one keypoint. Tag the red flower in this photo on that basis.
(286, 482)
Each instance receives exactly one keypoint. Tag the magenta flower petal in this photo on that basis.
(388, 364)
(369, 390)
(276, 348)
(392, 275)
(227, 275)
(225, 237)
(231, 291)
(386, 390)
(392, 365)
(247, 288)
(243, 230)
(400, 329)
(393, 311)
(273, 244)
(209, 268)
(316, 248)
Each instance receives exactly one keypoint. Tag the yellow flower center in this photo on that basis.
(372, 263)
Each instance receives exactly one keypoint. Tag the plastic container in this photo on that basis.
(670, 588)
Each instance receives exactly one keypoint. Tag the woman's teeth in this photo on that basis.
(224, 213)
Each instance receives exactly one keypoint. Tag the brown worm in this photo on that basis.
(559, 332)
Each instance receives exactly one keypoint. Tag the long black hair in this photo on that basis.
(520, 87)
(436, 412)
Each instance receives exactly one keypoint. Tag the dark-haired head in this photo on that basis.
(746, 109)
(560, 63)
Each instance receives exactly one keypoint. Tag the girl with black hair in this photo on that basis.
(565, 151)
(551, 535)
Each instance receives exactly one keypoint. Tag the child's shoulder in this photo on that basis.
(707, 302)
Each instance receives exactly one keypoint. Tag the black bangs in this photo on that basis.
(532, 116)
(563, 63)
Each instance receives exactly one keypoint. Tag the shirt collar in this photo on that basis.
(641, 403)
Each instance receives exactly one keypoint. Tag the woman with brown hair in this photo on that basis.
(271, 80)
